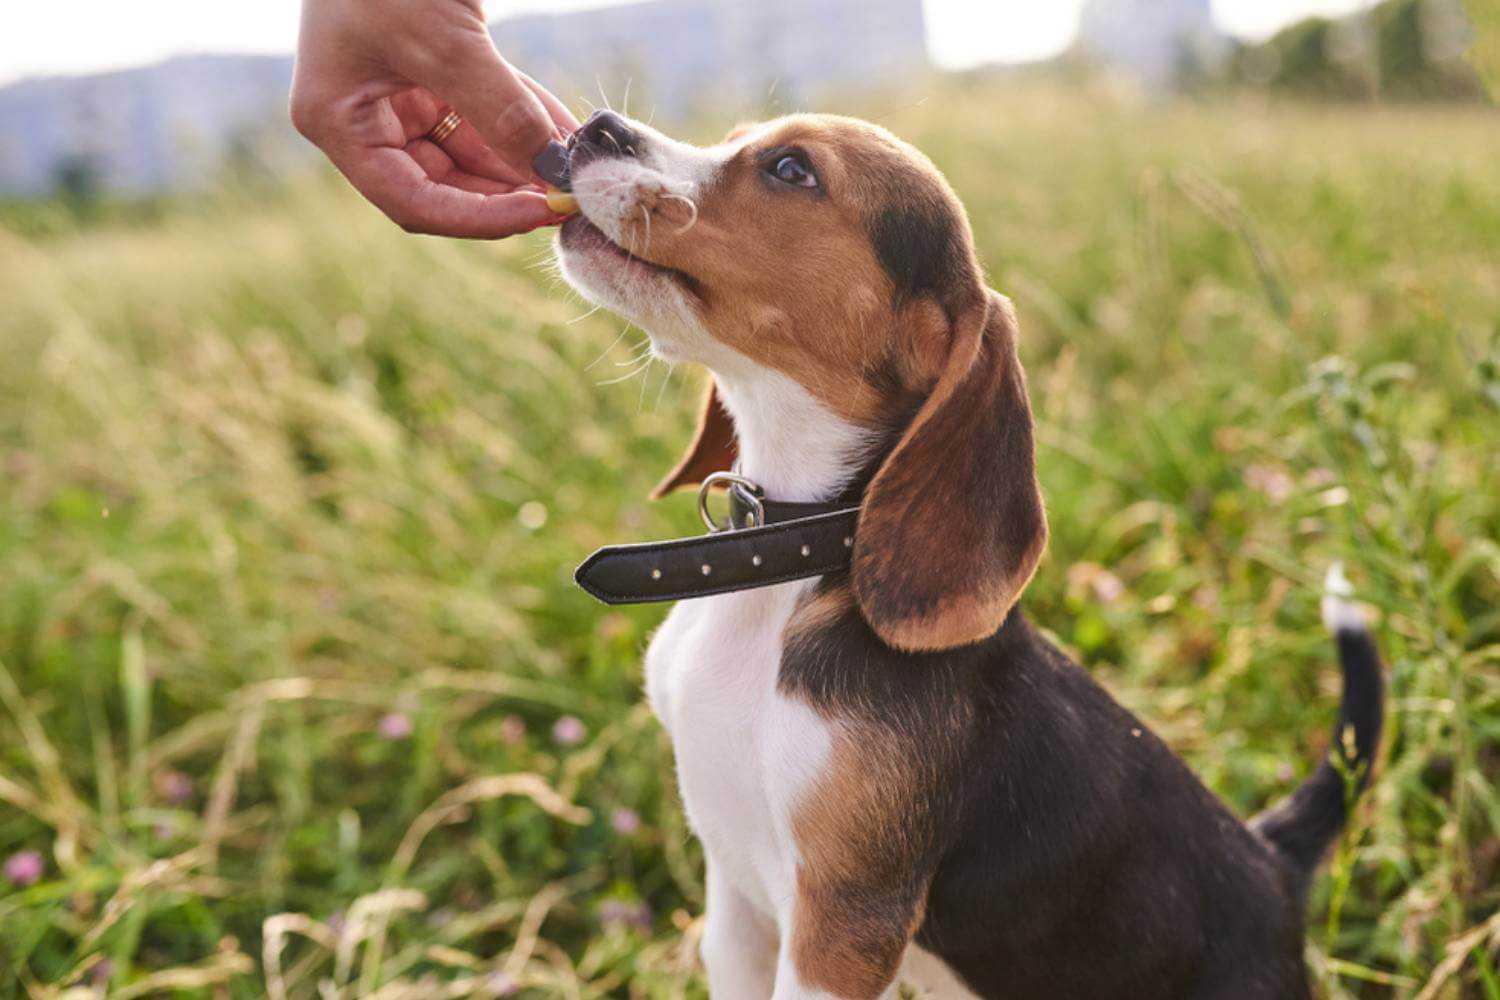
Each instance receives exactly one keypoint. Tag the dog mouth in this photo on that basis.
(579, 234)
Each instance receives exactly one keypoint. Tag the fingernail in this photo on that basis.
(551, 164)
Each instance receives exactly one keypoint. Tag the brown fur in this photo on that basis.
(830, 323)
(890, 309)
(866, 830)
(818, 611)
(860, 887)
(959, 489)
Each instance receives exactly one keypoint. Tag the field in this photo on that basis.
(297, 697)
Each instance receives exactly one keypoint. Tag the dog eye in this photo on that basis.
(793, 169)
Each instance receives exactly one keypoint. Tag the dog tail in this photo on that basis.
(1302, 826)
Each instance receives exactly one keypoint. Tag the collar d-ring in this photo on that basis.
(746, 490)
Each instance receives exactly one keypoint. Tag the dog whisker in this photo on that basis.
(640, 399)
(613, 344)
(692, 209)
(665, 381)
(579, 319)
(641, 353)
(628, 375)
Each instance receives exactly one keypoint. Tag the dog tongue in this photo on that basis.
(552, 164)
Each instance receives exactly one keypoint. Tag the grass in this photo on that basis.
(297, 698)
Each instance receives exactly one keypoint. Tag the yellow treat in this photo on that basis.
(561, 202)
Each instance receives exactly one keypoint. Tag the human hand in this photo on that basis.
(374, 77)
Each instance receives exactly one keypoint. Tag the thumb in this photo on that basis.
(491, 96)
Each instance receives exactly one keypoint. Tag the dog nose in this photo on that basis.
(611, 133)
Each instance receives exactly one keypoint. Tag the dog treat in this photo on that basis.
(552, 165)
(561, 201)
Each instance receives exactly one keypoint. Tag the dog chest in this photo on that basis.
(744, 751)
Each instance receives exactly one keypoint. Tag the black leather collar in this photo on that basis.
(764, 542)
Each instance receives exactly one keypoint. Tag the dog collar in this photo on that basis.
(762, 542)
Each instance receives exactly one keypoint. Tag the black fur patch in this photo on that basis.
(920, 246)
(1072, 855)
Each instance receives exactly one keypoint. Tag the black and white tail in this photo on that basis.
(1302, 826)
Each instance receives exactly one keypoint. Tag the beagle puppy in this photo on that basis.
(895, 777)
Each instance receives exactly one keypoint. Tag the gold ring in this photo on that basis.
(444, 128)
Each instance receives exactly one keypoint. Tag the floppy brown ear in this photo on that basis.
(713, 448)
(952, 525)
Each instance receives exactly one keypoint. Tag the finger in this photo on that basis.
(419, 110)
(561, 116)
(471, 153)
(516, 131)
(396, 184)
(510, 119)
(439, 166)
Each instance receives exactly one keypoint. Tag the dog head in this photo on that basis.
(824, 250)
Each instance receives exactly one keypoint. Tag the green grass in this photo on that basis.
(281, 484)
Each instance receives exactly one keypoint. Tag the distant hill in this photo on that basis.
(160, 127)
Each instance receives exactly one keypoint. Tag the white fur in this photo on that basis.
(746, 753)
(1340, 614)
(610, 191)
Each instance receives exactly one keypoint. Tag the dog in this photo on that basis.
(895, 777)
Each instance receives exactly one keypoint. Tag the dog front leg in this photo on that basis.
(847, 941)
(739, 943)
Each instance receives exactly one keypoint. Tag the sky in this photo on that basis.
(91, 35)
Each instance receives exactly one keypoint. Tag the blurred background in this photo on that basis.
(167, 95)
(296, 695)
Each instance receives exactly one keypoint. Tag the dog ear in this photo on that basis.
(952, 525)
(713, 448)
